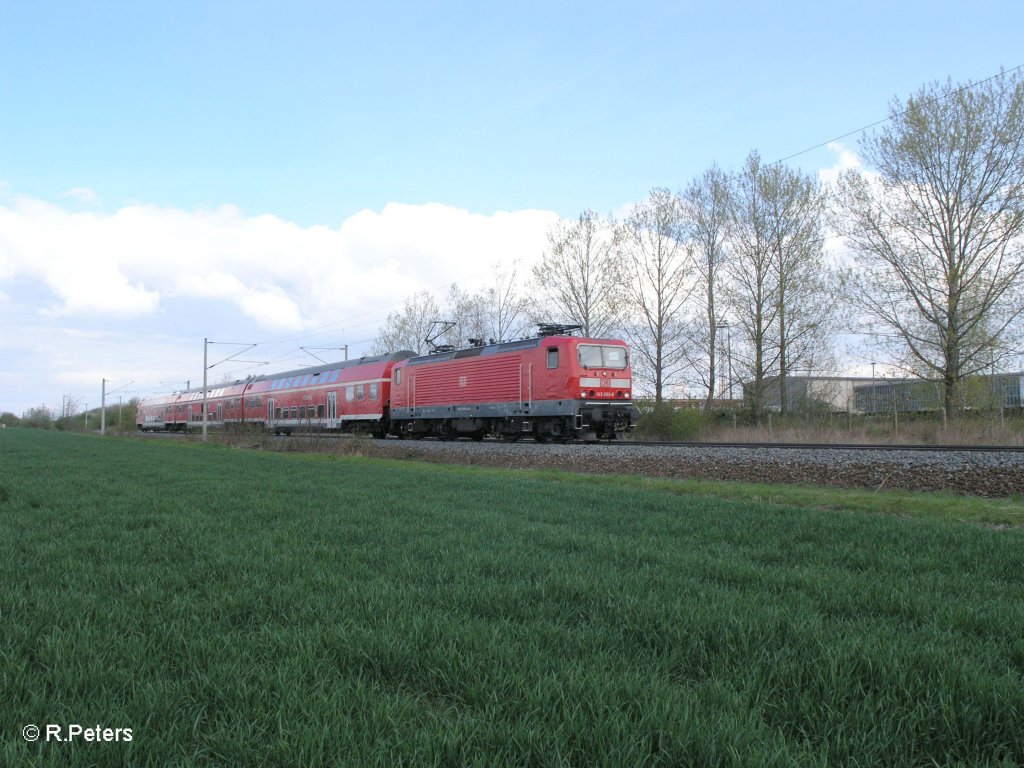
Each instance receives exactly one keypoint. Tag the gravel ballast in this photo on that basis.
(984, 473)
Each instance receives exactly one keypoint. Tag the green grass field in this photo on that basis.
(265, 609)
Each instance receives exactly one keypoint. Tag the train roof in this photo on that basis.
(489, 349)
(391, 357)
(505, 346)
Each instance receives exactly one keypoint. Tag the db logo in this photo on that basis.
(463, 381)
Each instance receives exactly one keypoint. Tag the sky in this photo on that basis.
(286, 174)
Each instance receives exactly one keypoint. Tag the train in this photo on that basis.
(552, 386)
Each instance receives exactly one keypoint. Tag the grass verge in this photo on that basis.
(251, 608)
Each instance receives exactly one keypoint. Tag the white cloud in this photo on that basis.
(624, 211)
(275, 311)
(846, 160)
(278, 274)
(128, 294)
(82, 195)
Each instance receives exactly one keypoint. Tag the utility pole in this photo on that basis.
(874, 397)
(728, 352)
(207, 366)
(103, 405)
(895, 412)
(206, 343)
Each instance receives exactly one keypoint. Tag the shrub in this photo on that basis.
(665, 422)
(39, 417)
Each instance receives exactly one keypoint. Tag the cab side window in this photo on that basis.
(552, 357)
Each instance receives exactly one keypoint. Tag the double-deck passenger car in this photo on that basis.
(344, 396)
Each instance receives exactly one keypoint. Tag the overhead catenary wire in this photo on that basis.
(884, 120)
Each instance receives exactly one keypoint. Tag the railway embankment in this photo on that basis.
(981, 473)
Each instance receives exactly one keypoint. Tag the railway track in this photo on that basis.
(981, 470)
(868, 447)
(824, 446)
(995, 471)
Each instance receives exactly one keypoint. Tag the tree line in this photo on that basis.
(71, 418)
(732, 271)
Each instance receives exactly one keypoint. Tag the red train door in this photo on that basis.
(526, 388)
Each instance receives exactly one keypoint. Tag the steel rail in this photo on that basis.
(822, 446)
(669, 443)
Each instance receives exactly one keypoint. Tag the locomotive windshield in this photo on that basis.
(597, 356)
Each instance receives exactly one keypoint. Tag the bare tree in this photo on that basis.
(656, 271)
(706, 202)
(470, 312)
(937, 228)
(509, 309)
(579, 280)
(751, 289)
(781, 291)
(71, 406)
(408, 329)
(805, 286)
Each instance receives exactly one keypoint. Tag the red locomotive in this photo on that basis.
(553, 386)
